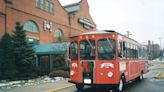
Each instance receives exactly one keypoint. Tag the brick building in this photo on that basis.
(153, 50)
(45, 21)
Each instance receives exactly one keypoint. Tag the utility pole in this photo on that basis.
(161, 52)
(160, 40)
(128, 33)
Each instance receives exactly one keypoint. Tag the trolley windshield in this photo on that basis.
(106, 49)
(87, 49)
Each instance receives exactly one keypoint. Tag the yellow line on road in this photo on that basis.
(61, 88)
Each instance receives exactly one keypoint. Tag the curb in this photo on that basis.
(61, 88)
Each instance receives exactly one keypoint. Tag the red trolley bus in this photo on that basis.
(105, 58)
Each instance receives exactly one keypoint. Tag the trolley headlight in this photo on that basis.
(72, 72)
(110, 74)
(74, 65)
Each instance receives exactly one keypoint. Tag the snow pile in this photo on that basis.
(31, 82)
(160, 75)
(58, 78)
(12, 84)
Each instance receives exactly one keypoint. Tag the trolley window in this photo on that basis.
(106, 49)
(87, 49)
(74, 50)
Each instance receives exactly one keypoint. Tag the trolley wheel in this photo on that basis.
(79, 87)
(140, 78)
(120, 86)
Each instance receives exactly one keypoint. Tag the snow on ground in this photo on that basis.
(155, 64)
(40, 80)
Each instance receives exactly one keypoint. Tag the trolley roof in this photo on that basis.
(104, 32)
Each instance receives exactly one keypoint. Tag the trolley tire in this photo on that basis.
(140, 78)
(79, 87)
(120, 86)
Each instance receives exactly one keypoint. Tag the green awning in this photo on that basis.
(53, 48)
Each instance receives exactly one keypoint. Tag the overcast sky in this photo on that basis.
(144, 19)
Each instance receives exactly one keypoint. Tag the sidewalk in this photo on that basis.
(47, 87)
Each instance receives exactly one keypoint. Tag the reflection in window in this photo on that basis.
(30, 26)
(106, 49)
(52, 7)
(42, 4)
(38, 3)
(87, 49)
(74, 50)
(47, 5)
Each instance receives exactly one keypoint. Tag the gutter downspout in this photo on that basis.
(6, 2)
(5, 17)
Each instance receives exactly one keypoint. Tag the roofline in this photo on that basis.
(72, 4)
(79, 3)
(62, 7)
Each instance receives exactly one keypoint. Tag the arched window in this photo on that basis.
(30, 26)
(58, 33)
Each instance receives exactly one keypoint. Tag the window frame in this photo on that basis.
(120, 49)
(48, 8)
(37, 3)
(52, 8)
(29, 26)
(42, 4)
(58, 33)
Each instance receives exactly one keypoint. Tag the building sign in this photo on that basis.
(86, 23)
(47, 25)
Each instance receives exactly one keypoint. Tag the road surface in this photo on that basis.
(149, 84)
